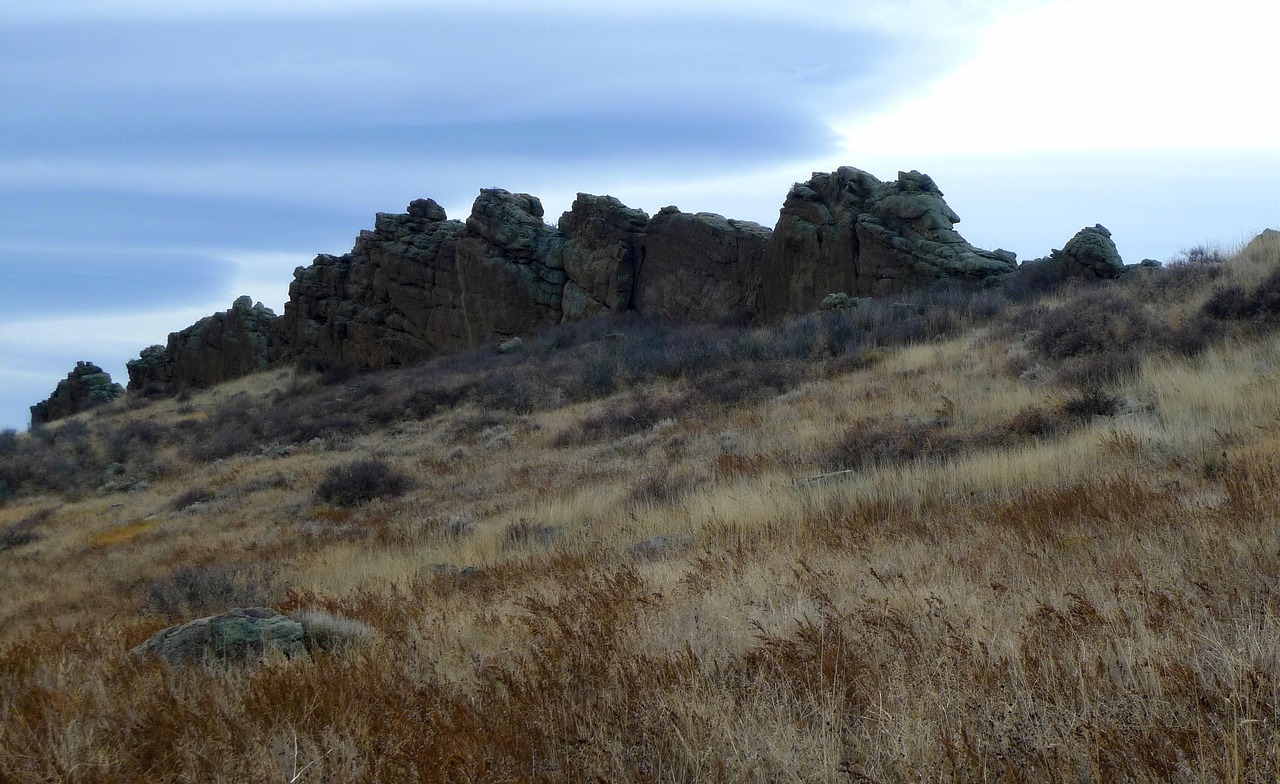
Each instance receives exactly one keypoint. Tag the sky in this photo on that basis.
(159, 159)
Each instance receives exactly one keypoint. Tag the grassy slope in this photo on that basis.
(901, 564)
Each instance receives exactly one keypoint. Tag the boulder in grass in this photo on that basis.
(239, 635)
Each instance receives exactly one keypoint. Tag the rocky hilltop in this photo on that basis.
(419, 283)
(84, 388)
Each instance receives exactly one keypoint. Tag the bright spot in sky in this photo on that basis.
(1099, 75)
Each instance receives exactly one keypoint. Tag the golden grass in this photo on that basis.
(1097, 604)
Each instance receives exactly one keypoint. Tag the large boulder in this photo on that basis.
(84, 387)
(849, 232)
(1089, 255)
(240, 635)
(217, 348)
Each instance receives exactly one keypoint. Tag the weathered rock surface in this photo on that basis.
(217, 348)
(245, 634)
(1089, 255)
(700, 266)
(849, 232)
(85, 387)
(419, 284)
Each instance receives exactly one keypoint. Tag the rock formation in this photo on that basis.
(1089, 255)
(700, 267)
(234, 636)
(849, 232)
(83, 388)
(420, 284)
(216, 348)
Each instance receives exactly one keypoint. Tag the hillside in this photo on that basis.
(955, 535)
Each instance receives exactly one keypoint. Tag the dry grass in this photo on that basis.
(990, 590)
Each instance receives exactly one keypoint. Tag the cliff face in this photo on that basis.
(419, 284)
(217, 348)
(849, 232)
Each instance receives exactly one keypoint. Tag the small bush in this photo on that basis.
(1095, 322)
(1091, 402)
(325, 632)
(194, 495)
(362, 481)
(211, 588)
(1235, 303)
(8, 441)
(24, 531)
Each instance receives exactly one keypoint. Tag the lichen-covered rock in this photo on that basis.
(1090, 254)
(84, 387)
(419, 284)
(217, 348)
(849, 232)
(240, 635)
(701, 266)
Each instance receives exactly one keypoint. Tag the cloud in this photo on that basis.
(36, 353)
(1098, 75)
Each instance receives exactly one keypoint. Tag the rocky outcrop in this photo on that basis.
(420, 284)
(701, 266)
(240, 635)
(849, 232)
(218, 348)
(84, 388)
(1089, 255)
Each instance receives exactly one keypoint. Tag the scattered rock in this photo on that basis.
(239, 635)
(84, 388)
(513, 346)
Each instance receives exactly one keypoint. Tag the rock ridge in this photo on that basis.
(419, 283)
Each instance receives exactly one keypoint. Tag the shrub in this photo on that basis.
(361, 481)
(1235, 303)
(210, 588)
(194, 495)
(1096, 322)
(24, 531)
(1090, 402)
(323, 631)
(8, 441)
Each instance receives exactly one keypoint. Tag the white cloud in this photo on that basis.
(1099, 75)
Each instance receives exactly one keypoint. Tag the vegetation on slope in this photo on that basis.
(1005, 535)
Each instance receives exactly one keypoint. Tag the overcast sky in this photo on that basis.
(158, 159)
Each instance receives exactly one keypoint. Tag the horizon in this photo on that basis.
(161, 162)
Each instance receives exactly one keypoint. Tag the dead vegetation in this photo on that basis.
(938, 557)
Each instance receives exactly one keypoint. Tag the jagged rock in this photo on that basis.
(700, 266)
(217, 348)
(512, 346)
(848, 231)
(419, 284)
(603, 248)
(83, 388)
(1089, 255)
(243, 634)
